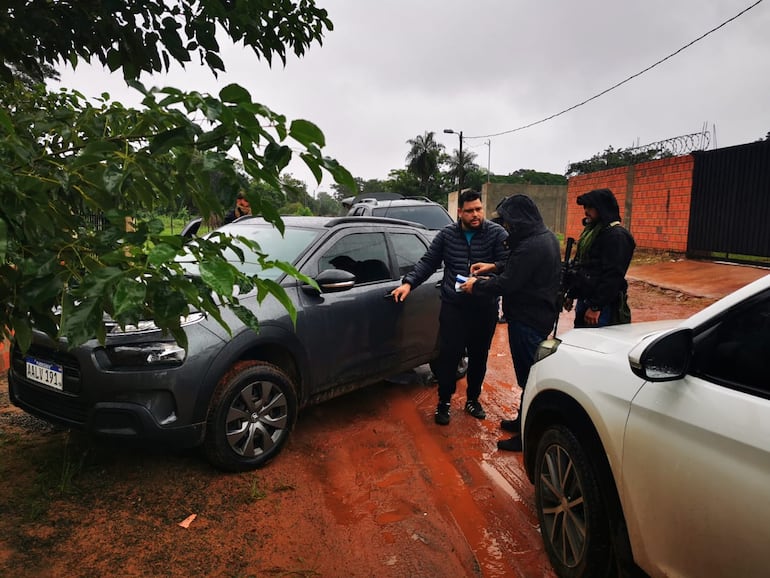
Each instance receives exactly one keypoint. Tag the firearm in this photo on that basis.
(566, 278)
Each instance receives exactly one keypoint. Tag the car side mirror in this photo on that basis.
(332, 281)
(191, 228)
(667, 358)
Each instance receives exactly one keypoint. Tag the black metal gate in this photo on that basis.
(730, 204)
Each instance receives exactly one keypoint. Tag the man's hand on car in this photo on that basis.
(400, 293)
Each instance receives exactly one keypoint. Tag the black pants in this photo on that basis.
(469, 325)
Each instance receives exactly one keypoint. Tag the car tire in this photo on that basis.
(573, 517)
(251, 414)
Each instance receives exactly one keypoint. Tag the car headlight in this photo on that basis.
(141, 355)
(148, 325)
(546, 348)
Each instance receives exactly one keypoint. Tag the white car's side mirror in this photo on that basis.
(666, 358)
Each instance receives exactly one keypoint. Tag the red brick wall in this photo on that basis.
(654, 201)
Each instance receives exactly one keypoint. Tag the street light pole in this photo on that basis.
(460, 161)
(489, 156)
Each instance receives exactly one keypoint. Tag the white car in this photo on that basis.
(649, 444)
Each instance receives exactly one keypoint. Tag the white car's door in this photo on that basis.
(696, 458)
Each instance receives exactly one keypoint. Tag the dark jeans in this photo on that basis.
(523, 341)
(470, 326)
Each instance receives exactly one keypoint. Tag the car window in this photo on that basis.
(432, 216)
(363, 254)
(409, 249)
(278, 247)
(736, 350)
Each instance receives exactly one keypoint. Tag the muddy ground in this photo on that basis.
(367, 486)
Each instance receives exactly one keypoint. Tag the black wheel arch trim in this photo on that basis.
(283, 343)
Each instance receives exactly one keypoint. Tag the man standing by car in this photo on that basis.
(604, 252)
(465, 321)
(529, 283)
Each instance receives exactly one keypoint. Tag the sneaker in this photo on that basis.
(442, 413)
(510, 445)
(511, 425)
(473, 407)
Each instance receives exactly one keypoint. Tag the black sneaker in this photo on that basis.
(473, 407)
(510, 445)
(511, 425)
(442, 413)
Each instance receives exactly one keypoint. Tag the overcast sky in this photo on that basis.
(392, 70)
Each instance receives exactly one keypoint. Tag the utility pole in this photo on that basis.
(460, 161)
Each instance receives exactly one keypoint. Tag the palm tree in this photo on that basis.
(423, 158)
(455, 161)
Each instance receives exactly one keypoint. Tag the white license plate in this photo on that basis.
(48, 374)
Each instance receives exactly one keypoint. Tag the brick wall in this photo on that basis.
(654, 200)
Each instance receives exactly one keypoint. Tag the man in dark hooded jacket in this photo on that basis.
(529, 283)
(604, 252)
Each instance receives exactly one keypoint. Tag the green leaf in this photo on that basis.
(219, 275)
(169, 139)
(235, 93)
(80, 322)
(161, 253)
(306, 133)
(129, 298)
(3, 240)
(280, 294)
(22, 333)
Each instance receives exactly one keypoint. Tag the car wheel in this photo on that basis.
(251, 414)
(573, 519)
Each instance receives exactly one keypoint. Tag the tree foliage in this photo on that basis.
(147, 35)
(612, 158)
(64, 160)
(423, 159)
(530, 177)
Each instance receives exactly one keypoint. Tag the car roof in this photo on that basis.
(402, 202)
(328, 222)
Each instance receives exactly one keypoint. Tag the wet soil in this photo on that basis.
(367, 486)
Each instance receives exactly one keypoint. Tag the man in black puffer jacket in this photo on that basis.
(529, 284)
(465, 322)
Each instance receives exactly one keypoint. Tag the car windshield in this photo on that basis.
(286, 247)
(432, 216)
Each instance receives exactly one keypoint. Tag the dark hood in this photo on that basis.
(521, 217)
(604, 202)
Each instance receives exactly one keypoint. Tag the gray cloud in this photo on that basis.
(392, 70)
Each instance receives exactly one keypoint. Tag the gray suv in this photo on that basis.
(415, 209)
(238, 395)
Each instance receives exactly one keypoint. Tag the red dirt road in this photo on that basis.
(368, 486)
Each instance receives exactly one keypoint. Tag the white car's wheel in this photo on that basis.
(573, 519)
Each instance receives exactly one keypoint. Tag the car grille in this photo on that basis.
(64, 405)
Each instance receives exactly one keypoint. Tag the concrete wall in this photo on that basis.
(550, 200)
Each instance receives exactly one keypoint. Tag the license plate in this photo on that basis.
(48, 374)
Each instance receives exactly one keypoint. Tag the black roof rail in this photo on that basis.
(368, 219)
